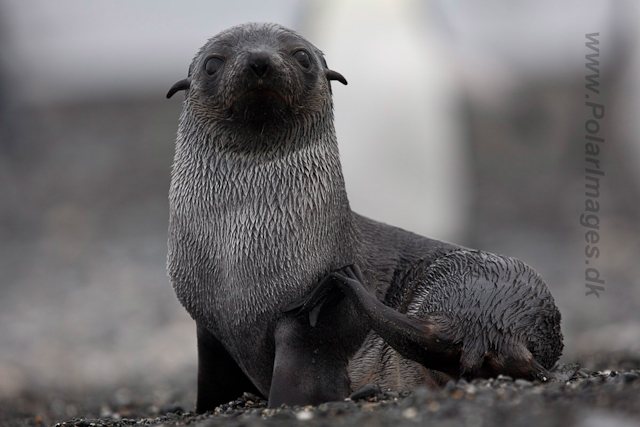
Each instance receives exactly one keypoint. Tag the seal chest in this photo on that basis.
(259, 229)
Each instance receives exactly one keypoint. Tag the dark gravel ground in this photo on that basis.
(577, 396)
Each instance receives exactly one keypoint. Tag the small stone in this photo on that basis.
(504, 378)
(457, 394)
(250, 396)
(304, 415)
(471, 389)
(337, 407)
(523, 383)
(366, 391)
(481, 382)
(433, 406)
(410, 413)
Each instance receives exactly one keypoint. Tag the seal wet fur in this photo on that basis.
(259, 217)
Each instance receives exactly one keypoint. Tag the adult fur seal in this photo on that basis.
(263, 247)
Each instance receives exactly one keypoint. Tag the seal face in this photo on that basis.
(258, 76)
(260, 232)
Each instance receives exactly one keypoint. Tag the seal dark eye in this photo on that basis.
(303, 58)
(213, 65)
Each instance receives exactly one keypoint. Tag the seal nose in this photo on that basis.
(259, 63)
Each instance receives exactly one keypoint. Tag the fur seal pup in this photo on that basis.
(261, 230)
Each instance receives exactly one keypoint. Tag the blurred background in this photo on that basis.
(463, 121)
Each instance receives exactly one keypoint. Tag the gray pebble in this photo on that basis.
(366, 391)
(523, 383)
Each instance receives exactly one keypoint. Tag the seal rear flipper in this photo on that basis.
(517, 362)
(501, 311)
(472, 358)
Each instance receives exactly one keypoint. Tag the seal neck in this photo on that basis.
(289, 192)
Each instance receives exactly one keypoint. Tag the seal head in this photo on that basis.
(257, 75)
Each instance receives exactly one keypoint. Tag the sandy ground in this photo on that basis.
(576, 397)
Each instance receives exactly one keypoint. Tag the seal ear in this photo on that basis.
(181, 85)
(334, 75)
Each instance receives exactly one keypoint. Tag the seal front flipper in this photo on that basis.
(310, 364)
(220, 379)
